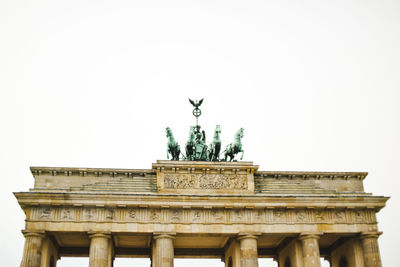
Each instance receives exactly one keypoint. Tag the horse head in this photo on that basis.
(217, 132)
(191, 134)
(239, 133)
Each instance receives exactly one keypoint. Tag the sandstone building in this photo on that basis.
(226, 210)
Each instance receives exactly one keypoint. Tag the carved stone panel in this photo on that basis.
(176, 216)
(217, 216)
(206, 215)
(258, 216)
(90, 214)
(300, 216)
(68, 214)
(238, 216)
(46, 213)
(279, 216)
(132, 214)
(196, 216)
(339, 216)
(153, 215)
(205, 181)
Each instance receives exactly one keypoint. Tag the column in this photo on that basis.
(163, 250)
(290, 250)
(49, 253)
(232, 254)
(99, 252)
(248, 250)
(369, 243)
(310, 247)
(33, 249)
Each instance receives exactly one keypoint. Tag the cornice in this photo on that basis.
(26, 199)
(72, 171)
(302, 175)
(311, 175)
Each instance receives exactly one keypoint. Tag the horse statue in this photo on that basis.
(215, 147)
(190, 145)
(234, 148)
(173, 147)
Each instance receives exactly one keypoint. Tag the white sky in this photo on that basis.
(315, 84)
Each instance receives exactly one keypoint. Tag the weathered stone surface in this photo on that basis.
(33, 249)
(248, 249)
(99, 254)
(369, 241)
(310, 246)
(163, 250)
(204, 206)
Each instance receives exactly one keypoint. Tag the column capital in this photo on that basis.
(364, 235)
(241, 236)
(158, 235)
(310, 235)
(99, 234)
(27, 233)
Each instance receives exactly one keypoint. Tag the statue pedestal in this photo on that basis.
(203, 177)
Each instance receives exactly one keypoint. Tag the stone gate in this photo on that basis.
(226, 210)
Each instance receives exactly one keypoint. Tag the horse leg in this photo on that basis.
(242, 155)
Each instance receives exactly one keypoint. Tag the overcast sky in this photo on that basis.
(315, 84)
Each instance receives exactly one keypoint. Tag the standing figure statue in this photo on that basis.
(200, 147)
(190, 145)
(215, 147)
(173, 147)
(234, 148)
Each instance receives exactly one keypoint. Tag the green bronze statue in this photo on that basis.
(196, 111)
(200, 147)
(214, 148)
(190, 145)
(234, 148)
(173, 147)
(196, 148)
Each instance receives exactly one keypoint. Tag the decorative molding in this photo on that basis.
(311, 175)
(206, 215)
(97, 172)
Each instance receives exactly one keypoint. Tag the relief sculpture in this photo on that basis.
(176, 215)
(132, 214)
(217, 215)
(179, 181)
(66, 214)
(205, 181)
(196, 216)
(45, 213)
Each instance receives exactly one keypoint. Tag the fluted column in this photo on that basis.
(310, 247)
(99, 249)
(163, 250)
(33, 249)
(248, 250)
(369, 242)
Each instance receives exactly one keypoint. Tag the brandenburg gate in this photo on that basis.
(198, 208)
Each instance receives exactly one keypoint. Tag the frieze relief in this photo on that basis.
(132, 214)
(201, 215)
(196, 216)
(67, 214)
(46, 213)
(90, 214)
(205, 181)
(301, 216)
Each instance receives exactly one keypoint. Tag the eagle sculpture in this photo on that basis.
(196, 103)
